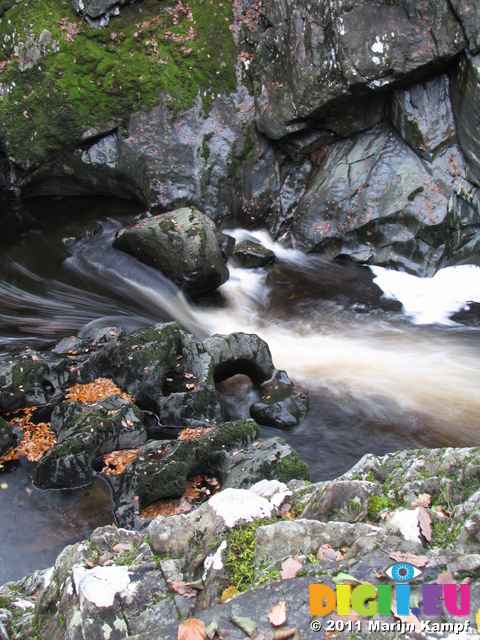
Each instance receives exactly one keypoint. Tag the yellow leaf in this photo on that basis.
(229, 593)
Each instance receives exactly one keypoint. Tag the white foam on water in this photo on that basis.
(431, 300)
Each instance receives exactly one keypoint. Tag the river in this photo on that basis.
(387, 368)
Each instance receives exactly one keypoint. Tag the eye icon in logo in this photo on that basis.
(402, 572)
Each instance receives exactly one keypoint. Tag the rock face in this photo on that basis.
(309, 65)
(183, 246)
(7, 437)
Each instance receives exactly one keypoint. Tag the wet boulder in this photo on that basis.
(84, 432)
(182, 245)
(167, 371)
(281, 405)
(310, 66)
(7, 437)
(375, 201)
(423, 116)
(163, 467)
(30, 380)
(251, 255)
(466, 105)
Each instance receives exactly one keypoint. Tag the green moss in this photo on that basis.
(445, 532)
(106, 74)
(239, 561)
(379, 503)
(290, 467)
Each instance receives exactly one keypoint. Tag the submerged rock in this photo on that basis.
(182, 245)
(251, 255)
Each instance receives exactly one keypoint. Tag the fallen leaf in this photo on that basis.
(192, 629)
(445, 577)
(228, 594)
(417, 561)
(281, 634)
(423, 500)
(245, 624)
(4, 485)
(118, 548)
(425, 523)
(278, 614)
(411, 619)
(211, 629)
(346, 578)
(290, 568)
(183, 589)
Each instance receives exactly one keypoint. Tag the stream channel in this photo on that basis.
(380, 375)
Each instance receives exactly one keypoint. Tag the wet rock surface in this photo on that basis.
(183, 246)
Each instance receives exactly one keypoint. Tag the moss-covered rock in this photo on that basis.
(167, 371)
(30, 380)
(7, 437)
(84, 432)
(182, 245)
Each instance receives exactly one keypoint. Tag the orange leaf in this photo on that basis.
(192, 629)
(278, 614)
(290, 568)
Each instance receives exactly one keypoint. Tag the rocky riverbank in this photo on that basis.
(350, 130)
(418, 507)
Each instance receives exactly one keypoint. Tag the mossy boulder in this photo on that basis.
(182, 245)
(31, 380)
(167, 371)
(7, 437)
(84, 432)
(162, 467)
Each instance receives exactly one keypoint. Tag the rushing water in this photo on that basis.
(380, 377)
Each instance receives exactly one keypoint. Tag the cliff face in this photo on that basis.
(349, 128)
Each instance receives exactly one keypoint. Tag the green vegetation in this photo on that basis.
(445, 532)
(379, 503)
(90, 75)
(240, 554)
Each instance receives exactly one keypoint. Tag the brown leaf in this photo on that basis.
(183, 589)
(281, 634)
(417, 561)
(290, 568)
(423, 500)
(192, 629)
(118, 548)
(445, 577)
(278, 614)
(425, 523)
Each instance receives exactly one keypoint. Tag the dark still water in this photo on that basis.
(377, 380)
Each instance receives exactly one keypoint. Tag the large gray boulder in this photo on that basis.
(466, 104)
(182, 245)
(309, 62)
(376, 201)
